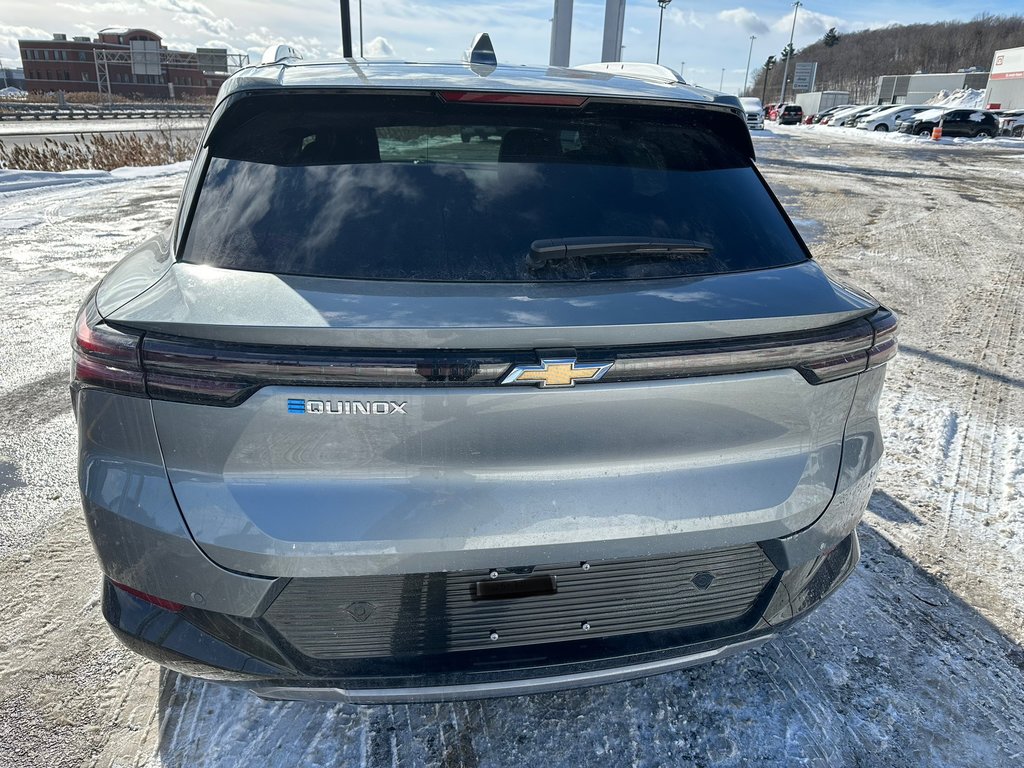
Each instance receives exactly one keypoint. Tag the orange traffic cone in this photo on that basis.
(937, 132)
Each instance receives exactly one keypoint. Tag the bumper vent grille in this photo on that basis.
(408, 615)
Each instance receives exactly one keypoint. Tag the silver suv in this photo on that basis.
(387, 415)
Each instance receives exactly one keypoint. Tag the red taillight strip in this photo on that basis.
(159, 602)
(499, 97)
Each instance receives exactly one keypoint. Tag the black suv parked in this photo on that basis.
(972, 123)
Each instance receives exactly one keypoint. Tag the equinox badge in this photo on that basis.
(558, 372)
(347, 407)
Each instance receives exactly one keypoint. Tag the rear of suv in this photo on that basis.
(791, 114)
(387, 415)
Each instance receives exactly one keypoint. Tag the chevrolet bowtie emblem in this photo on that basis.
(560, 372)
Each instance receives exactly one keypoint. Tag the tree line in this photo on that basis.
(853, 61)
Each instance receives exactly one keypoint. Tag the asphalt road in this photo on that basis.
(34, 133)
(916, 661)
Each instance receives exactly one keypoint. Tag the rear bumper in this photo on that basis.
(249, 654)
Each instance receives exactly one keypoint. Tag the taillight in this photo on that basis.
(159, 602)
(104, 357)
(885, 344)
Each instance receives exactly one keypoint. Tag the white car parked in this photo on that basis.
(889, 119)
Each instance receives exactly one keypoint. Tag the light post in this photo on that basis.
(682, 66)
(792, 31)
(662, 4)
(746, 72)
(721, 82)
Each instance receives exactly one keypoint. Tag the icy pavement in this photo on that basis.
(915, 661)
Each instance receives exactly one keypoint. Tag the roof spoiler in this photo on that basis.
(655, 73)
(638, 69)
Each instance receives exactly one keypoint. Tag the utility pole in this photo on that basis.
(361, 56)
(662, 4)
(746, 72)
(792, 31)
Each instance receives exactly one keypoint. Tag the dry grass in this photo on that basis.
(99, 152)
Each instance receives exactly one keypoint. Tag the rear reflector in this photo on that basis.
(498, 97)
(159, 602)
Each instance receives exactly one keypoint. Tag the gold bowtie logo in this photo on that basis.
(562, 372)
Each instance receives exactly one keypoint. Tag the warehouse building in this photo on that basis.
(918, 89)
(127, 62)
(1006, 83)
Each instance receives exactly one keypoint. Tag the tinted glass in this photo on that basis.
(413, 188)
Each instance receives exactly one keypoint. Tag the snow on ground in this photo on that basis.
(890, 138)
(916, 661)
(21, 181)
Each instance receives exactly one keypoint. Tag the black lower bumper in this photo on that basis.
(252, 654)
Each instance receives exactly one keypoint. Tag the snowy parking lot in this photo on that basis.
(916, 661)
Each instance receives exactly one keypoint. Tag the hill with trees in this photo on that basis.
(853, 61)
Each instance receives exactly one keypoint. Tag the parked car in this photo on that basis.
(754, 112)
(956, 122)
(849, 121)
(838, 117)
(791, 114)
(824, 117)
(889, 119)
(1011, 123)
(388, 416)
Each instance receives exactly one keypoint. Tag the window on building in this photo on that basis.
(82, 56)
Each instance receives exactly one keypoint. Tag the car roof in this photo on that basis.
(387, 74)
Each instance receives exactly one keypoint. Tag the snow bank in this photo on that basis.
(966, 98)
(17, 181)
(12, 93)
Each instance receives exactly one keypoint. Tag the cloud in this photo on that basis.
(379, 48)
(809, 24)
(745, 19)
(9, 37)
(685, 18)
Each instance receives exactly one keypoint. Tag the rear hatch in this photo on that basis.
(591, 333)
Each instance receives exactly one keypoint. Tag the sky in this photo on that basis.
(709, 41)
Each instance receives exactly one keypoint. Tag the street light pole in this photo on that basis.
(792, 31)
(721, 82)
(746, 72)
(662, 4)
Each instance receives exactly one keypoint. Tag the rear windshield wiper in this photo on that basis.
(543, 252)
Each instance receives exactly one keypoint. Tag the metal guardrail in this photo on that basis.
(28, 111)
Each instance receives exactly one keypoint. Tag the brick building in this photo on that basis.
(127, 62)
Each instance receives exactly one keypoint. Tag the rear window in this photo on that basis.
(411, 187)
